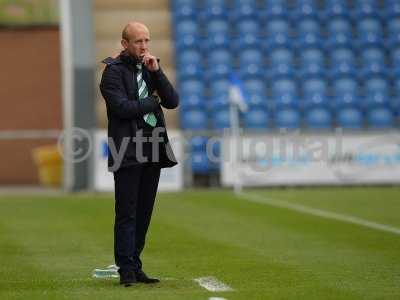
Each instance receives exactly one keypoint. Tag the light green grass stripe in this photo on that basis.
(318, 212)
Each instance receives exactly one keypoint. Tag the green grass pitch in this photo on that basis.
(49, 244)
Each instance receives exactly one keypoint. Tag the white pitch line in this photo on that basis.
(318, 212)
(212, 284)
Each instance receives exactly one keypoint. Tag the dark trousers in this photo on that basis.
(135, 192)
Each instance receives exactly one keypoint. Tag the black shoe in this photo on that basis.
(142, 277)
(127, 278)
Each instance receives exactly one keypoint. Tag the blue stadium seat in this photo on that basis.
(336, 8)
(274, 9)
(244, 2)
(246, 41)
(314, 92)
(190, 70)
(194, 119)
(220, 86)
(256, 118)
(244, 10)
(284, 93)
(281, 63)
(213, 9)
(189, 64)
(176, 3)
(182, 3)
(219, 64)
(217, 26)
(395, 106)
(192, 94)
(251, 56)
(218, 71)
(255, 71)
(254, 86)
(187, 34)
(396, 86)
(312, 63)
(192, 101)
(342, 63)
(219, 93)
(255, 93)
(308, 33)
(189, 56)
(377, 92)
(183, 43)
(391, 9)
(305, 9)
(211, 3)
(380, 118)
(247, 27)
(184, 10)
(191, 86)
(198, 143)
(257, 99)
(393, 28)
(278, 34)
(339, 31)
(349, 118)
(366, 8)
(318, 118)
(186, 27)
(221, 118)
(219, 101)
(373, 62)
(219, 56)
(346, 92)
(370, 32)
(251, 63)
(216, 41)
(288, 118)
(200, 163)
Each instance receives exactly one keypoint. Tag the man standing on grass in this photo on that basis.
(138, 143)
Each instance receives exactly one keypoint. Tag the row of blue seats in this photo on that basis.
(195, 91)
(288, 101)
(290, 118)
(308, 34)
(269, 9)
(285, 27)
(291, 57)
(282, 63)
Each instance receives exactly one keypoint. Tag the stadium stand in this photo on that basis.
(312, 65)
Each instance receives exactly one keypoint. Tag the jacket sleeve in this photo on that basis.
(117, 102)
(168, 95)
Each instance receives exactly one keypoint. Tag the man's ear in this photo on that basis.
(124, 43)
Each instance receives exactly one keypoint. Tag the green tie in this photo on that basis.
(149, 118)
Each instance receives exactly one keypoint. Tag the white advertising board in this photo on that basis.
(312, 159)
(171, 179)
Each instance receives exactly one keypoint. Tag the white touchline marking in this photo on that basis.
(318, 212)
(212, 284)
(216, 298)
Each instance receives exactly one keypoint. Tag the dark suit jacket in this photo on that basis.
(125, 112)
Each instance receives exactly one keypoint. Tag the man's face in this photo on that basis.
(138, 44)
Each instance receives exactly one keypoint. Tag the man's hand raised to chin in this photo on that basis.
(151, 62)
